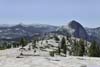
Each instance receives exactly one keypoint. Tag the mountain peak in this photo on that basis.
(74, 24)
(79, 30)
(73, 21)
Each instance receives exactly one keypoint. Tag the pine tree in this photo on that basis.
(59, 50)
(23, 42)
(65, 49)
(63, 42)
(5, 45)
(81, 48)
(94, 50)
(34, 44)
(63, 45)
(75, 50)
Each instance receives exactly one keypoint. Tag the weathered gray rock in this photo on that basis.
(79, 30)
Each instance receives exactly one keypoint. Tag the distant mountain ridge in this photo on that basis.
(18, 31)
(73, 28)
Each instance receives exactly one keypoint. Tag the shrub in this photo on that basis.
(51, 53)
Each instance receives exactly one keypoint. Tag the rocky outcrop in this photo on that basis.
(78, 30)
(75, 29)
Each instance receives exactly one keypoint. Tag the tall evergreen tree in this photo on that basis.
(23, 42)
(75, 50)
(63, 45)
(78, 48)
(65, 49)
(63, 42)
(59, 50)
(94, 50)
(81, 48)
(34, 44)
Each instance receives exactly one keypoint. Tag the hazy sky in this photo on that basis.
(54, 12)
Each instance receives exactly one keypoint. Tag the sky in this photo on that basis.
(53, 12)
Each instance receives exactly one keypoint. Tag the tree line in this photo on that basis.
(78, 47)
